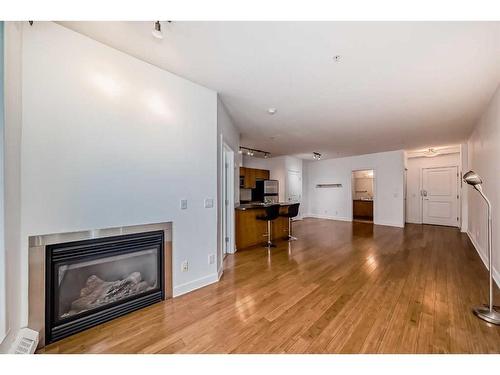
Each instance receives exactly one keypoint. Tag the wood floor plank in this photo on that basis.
(341, 288)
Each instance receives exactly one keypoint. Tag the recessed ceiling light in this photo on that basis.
(337, 58)
(157, 30)
(272, 111)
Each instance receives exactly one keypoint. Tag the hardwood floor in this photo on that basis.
(341, 288)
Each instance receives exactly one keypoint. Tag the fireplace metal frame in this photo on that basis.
(91, 249)
(37, 265)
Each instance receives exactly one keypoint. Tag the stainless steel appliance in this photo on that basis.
(266, 191)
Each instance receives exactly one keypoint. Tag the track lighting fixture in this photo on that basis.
(157, 30)
(316, 156)
(253, 152)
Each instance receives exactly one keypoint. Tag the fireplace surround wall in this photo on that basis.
(44, 309)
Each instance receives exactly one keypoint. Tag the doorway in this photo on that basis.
(227, 200)
(440, 196)
(363, 194)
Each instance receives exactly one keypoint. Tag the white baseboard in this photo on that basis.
(483, 256)
(389, 224)
(413, 221)
(341, 218)
(220, 272)
(179, 290)
(327, 217)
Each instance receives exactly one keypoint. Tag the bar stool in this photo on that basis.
(272, 213)
(293, 211)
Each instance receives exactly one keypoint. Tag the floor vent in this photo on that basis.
(26, 342)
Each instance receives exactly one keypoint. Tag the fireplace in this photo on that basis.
(92, 277)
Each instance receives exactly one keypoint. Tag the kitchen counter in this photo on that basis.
(252, 232)
(249, 206)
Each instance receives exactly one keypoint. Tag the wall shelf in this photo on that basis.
(328, 185)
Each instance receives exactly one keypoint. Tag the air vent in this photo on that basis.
(26, 342)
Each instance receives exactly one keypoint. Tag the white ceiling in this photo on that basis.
(399, 85)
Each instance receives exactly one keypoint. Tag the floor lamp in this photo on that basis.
(487, 313)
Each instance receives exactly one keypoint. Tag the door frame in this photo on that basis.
(375, 193)
(459, 192)
(287, 189)
(227, 195)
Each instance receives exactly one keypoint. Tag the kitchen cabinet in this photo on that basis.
(252, 232)
(251, 175)
(362, 209)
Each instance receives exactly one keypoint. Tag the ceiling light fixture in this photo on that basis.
(253, 152)
(430, 153)
(316, 156)
(272, 111)
(157, 30)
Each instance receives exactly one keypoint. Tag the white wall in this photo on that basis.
(336, 203)
(15, 295)
(3, 309)
(414, 183)
(227, 133)
(109, 140)
(484, 159)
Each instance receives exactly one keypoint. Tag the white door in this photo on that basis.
(440, 196)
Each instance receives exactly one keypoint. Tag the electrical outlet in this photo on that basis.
(211, 258)
(185, 266)
(209, 203)
(184, 204)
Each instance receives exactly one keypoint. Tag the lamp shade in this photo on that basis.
(472, 178)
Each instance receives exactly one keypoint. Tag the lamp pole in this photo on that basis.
(489, 313)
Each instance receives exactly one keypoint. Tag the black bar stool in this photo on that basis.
(293, 211)
(272, 213)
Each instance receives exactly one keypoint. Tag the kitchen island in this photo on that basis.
(251, 232)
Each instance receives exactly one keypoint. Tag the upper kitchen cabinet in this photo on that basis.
(250, 175)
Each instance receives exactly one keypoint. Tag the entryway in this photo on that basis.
(363, 194)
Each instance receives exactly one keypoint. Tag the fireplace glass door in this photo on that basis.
(88, 285)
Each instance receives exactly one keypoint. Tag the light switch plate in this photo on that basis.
(184, 204)
(209, 203)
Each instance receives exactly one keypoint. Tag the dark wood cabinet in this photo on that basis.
(362, 209)
(251, 175)
(251, 232)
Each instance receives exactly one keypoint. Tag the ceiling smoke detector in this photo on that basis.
(272, 111)
(337, 58)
